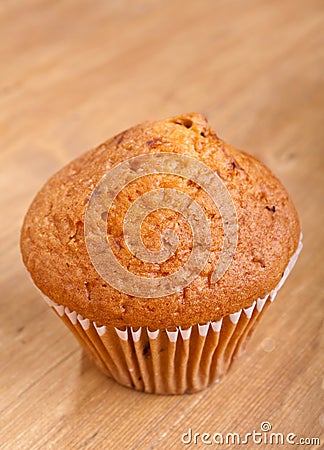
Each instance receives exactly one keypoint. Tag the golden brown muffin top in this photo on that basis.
(55, 253)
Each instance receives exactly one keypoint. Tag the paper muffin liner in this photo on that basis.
(169, 361)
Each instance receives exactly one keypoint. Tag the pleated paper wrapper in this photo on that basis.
(169, 361)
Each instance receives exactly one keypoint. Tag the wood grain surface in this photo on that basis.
(73, 73)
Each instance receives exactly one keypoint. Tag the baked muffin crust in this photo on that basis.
(55, 254)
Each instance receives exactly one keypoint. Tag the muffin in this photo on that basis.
(160, 250)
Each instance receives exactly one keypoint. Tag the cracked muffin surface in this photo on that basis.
(55, 254)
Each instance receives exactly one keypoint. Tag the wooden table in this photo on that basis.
(76, 72)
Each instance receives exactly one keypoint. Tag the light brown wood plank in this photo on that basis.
(73, 73)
